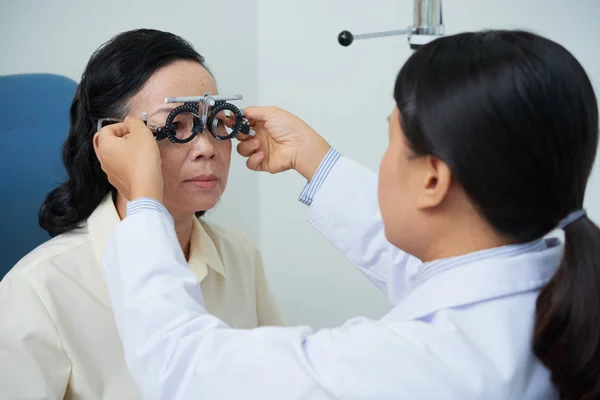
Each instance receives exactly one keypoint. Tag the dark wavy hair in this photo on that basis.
(114, 74)
(515, 118)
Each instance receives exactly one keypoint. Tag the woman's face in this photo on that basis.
(194, 173)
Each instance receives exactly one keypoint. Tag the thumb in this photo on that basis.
(254, 161)
(260, 114)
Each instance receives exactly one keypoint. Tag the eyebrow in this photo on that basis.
(161, 111)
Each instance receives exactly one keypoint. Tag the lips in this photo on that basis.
(203, 181)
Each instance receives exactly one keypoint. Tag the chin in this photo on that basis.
(206, 207)
(202, 205)
(191, 207)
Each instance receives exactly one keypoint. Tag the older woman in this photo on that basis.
(57, 333)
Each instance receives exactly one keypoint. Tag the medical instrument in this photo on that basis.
(217, 110)
(427, 26)
(222, 119)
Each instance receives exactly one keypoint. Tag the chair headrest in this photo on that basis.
(34, 97)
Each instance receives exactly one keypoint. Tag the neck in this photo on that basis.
(183, 224)
(462, 233)
(461, 242)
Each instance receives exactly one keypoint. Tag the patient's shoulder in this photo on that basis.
(63, 251)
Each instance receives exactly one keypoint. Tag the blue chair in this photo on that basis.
(34, 110)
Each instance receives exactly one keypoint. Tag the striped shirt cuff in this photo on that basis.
(146, 204)
(311, 188)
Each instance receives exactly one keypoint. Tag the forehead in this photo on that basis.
(181, 78)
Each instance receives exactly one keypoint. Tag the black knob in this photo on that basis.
(345, 38)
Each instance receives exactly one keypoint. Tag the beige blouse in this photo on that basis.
(57, 334)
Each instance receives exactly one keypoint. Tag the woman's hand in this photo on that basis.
(283, 141)
(129, 156)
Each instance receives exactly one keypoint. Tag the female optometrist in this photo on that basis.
(491, 143)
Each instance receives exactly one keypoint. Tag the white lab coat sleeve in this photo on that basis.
(346, 211)
(175, 350)
(173, 347)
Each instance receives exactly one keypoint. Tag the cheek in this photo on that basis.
(386, 184)
(392, 191)
(389, 178)
(172, 159)
(223, 156)
(224, 150)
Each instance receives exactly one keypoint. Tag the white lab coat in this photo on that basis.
(460, 329)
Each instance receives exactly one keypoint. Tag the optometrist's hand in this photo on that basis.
(282, 142)
(129, 156)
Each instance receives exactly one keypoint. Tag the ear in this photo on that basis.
(436, 183)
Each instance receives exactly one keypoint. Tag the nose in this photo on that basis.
(203, 146)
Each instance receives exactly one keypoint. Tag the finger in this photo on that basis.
(261, 114)
(254, 161)
(248, 147)
(254, 129)
(96, 142)
(242, 137)
(115, 130)
(229, 121)
(104, 137)
(136, 125)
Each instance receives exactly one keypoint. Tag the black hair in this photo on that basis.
(515, 118)
(114, 74)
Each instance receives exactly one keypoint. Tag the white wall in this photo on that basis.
(59, 37)
(346, 94)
